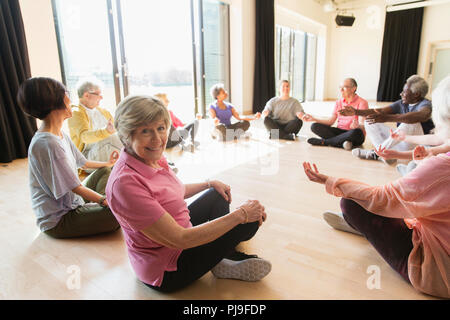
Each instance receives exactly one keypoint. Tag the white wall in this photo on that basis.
(356, 51)
(41, 38)
(242, 55)
(436, 27)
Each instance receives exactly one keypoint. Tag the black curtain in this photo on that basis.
(400, 53)
(264, 81)
(16, 128)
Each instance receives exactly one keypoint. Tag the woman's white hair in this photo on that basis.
(441, 107)
(135, 111)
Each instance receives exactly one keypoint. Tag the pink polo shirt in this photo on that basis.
(357, 102)
(422, 199)
(138, 196)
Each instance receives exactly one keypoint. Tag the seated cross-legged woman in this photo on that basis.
(283, 114)
(350, 131)
(57, 195)
(180, 133)
(222, 112)
(170, 244)
(407, 220)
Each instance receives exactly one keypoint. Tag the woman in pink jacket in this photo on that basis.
(407, 220)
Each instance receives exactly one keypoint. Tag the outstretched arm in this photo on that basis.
(238, 117)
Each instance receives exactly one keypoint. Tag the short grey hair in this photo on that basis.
(87, 85)
(215, 90)
(417, 85)
(135, 111)
(441, 106)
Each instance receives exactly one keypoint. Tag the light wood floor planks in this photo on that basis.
(310, 260)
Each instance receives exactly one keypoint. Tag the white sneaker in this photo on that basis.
(347, 145)
(337, 221)
(241, 266)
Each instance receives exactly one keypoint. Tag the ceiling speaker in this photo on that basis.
(345, 21)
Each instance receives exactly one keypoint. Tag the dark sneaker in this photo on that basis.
(241, 266)
(316, 141)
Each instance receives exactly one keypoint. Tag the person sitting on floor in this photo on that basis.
(412, 114)
(170, 244)
(91, 127)
(179, 132)
(438, 145)
(407, 220)
(222, 112)
(57, 195)
(350, 131)
(283, 114)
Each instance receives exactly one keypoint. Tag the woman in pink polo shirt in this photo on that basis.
(170, 245)
(349, 131)
(407, 220)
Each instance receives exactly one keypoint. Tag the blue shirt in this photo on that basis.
(224, 115)
(52, 166)
(398, 107)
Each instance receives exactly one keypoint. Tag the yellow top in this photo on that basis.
(80, 127)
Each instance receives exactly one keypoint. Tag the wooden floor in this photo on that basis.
(310, 260)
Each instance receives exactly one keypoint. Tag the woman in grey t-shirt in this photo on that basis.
(57, 195)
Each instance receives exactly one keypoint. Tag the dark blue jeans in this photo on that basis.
(193, 263)
(389, 236)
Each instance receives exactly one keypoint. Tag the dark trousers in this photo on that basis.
(335, 137)
(193, 263)
(389, 236)
(89, 219)
(176, 136)
(285, 130)
(234, 130)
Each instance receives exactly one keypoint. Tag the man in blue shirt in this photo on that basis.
(412, 114)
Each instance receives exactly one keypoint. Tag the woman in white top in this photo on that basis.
(58, 197)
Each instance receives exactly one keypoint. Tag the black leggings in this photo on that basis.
(176, 136)
(193, 263)
(335, 137)
(234, 130)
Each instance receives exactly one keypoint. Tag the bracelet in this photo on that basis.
(246, 215)
(102, 199)
(209, 184)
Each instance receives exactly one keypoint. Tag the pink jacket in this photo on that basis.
(422, 198)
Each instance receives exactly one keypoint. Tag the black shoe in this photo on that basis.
(289, 136)
(316, 142)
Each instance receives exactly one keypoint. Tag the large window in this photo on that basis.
(177, 47)
(296, 61)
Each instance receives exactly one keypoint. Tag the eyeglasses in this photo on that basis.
(96, 94)
(345, 87)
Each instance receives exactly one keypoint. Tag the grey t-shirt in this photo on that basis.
(283, 110)
(53, 163)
